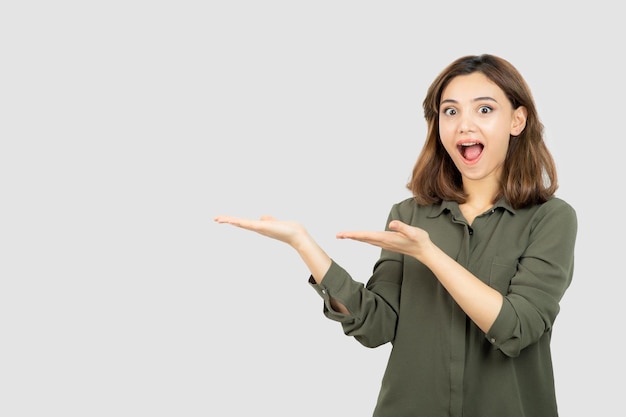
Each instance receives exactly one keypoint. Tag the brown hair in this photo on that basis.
(529, 173)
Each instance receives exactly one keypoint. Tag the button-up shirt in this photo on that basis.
(441, 363)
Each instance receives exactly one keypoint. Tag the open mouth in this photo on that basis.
(470, 150)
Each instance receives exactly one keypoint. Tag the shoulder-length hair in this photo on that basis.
(529, 173)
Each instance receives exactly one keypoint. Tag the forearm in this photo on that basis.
(316, 260)
(318, 263)
(479, 301)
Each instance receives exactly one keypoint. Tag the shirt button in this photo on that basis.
(323, 291)
(493, 340)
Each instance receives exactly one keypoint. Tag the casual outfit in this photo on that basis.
(441, 364)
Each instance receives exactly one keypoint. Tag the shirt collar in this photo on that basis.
(453, 206)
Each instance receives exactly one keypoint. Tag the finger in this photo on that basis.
(368, 237)
(222, 219)
(348, 235)
(368, 240)
(398, 226)
(235, 221)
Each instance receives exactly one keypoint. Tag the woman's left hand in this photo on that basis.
(401, 238)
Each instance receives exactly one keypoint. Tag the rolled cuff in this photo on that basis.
(504, 333)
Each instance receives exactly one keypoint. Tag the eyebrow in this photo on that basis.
(486, 98)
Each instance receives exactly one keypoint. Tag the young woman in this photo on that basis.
(472, 267)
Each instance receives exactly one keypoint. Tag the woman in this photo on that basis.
(472, 267)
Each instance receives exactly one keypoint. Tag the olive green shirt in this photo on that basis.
(441, 363)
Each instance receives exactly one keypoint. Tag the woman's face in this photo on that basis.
(476, 121)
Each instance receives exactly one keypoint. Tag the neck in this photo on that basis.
(480, 194)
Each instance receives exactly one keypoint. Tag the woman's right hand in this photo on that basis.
(289, 232)
(297, 237)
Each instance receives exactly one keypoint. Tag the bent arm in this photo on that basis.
(479, 301)
(296, 236)
(318, 263)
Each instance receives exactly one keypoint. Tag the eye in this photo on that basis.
(449, 111)
(484, 109)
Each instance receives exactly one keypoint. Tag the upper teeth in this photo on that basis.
(469, 144)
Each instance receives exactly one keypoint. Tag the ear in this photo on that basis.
(519, 120)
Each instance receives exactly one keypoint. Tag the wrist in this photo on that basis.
(302, 242)
(428, 253)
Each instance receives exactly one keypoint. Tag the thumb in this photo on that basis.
(397, 226)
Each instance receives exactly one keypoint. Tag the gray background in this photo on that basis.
(127, 125)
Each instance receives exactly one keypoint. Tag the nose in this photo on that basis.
(466, 123)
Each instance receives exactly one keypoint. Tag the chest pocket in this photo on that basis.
(501, 274)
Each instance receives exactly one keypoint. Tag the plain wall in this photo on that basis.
(127, 126)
